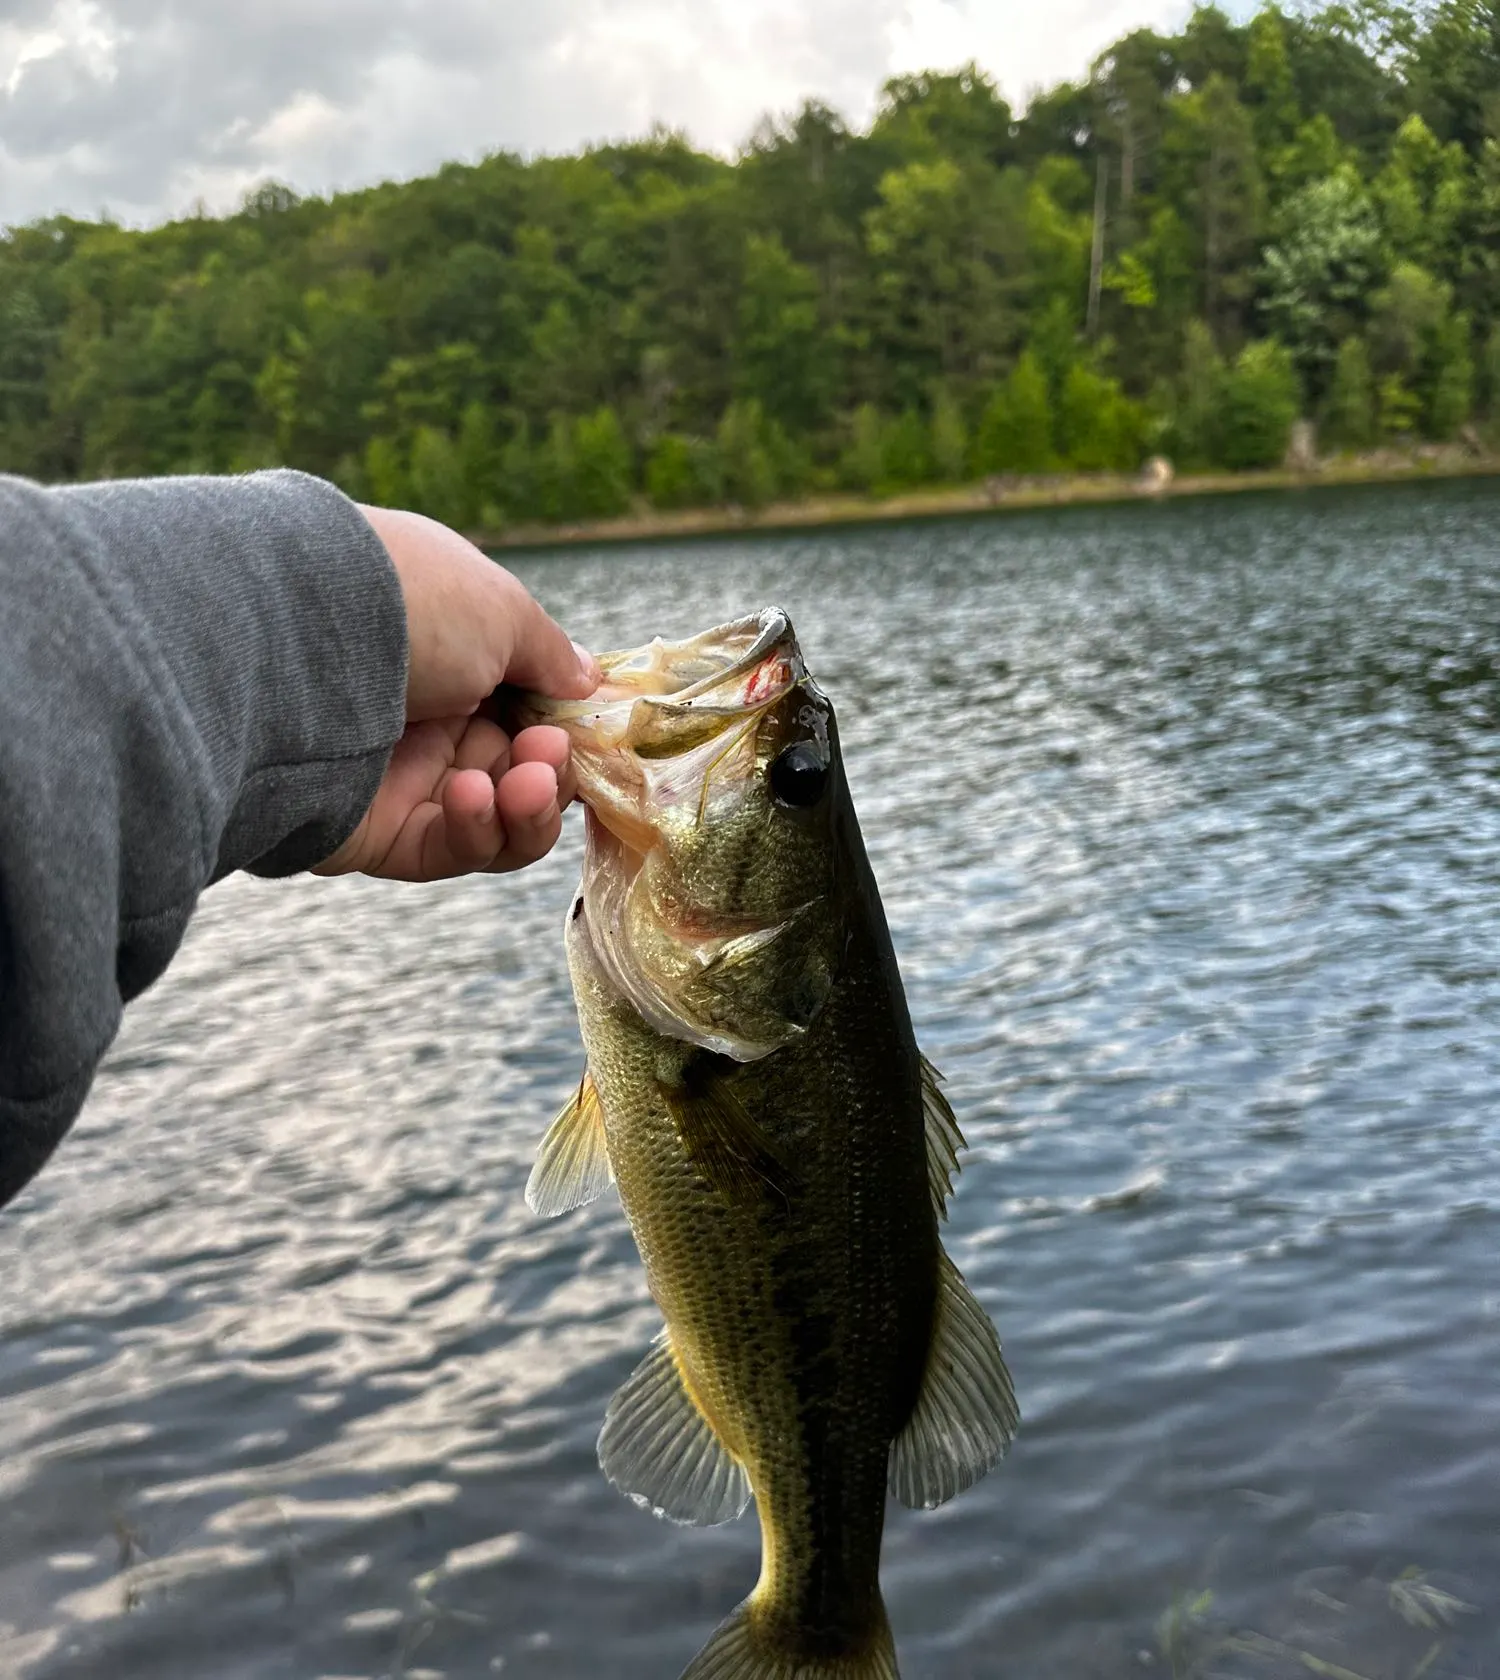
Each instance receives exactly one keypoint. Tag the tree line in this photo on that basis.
(1211, 233)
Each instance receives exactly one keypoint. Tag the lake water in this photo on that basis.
(1188, 824)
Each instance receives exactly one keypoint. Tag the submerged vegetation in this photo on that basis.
(1338, 1625)
(1213, 233)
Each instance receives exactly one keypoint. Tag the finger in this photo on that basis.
(470, 836)
(526, 800)
(545, 743)
(483, 746)
(542, 658)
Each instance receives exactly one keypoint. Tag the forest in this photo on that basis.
(1209, 235)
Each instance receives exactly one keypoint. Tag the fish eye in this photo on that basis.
(799, 776)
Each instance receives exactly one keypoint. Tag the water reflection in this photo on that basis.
(1186, 821)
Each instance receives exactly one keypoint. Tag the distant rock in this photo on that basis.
(1302, 447)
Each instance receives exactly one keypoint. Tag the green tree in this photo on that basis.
(1490, 369)
(1451, 398)
(949, 439)
(1349, 415)
(555, 472)
(479, 465)
(862, 464)
(1400, 407)
(1212, 170)
(1260, 400)
(385, 473)
(436, 478)
(1098, 428)
(1197, 418)
(749, 475)
(1409, 319)
(1015, 431)
(520, 480)
(602, 465)
(782, 355)
(906, 458)
(682, 472)
(1316, 277)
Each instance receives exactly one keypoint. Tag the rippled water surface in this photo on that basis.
(1188, 825)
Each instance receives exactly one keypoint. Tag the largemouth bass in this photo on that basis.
(783, 1151)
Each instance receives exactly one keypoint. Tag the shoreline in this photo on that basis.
(988, 497)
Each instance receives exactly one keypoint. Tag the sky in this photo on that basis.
(141, 108)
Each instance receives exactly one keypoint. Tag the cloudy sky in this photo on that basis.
(142, 107)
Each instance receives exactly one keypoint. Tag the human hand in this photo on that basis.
(460, 795)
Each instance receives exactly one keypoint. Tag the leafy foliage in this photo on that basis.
(1303, 208)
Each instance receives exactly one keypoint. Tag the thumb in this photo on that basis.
(542, 658)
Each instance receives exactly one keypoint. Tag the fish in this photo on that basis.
(783, 1152)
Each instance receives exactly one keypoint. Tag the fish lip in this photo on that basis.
(773, 632)
(770, 631)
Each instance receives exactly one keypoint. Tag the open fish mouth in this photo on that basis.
(671, 716)
(666, 696)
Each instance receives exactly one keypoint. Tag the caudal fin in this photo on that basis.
(739, 1651)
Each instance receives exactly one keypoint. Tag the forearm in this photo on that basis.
(196, 676)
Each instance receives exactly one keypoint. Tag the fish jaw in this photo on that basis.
(665, 716)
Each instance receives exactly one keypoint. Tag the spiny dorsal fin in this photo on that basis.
(572, 1165)
(722, 1139)
(944, 1139)
(966, 1415)
(660, 1450)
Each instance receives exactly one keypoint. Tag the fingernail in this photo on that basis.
(588, 666)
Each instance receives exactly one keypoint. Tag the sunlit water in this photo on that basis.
(1188, 824)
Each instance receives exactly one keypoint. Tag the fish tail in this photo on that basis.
(743, 1648)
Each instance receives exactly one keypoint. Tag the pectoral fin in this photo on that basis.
(660, 1450)
(572, 1165)
(944, 1139)
(722, 1139)
(966, 1415)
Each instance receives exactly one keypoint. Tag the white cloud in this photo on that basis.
(1025, 47)
(149, 105)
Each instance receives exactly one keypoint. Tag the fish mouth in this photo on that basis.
(660, 709)
(747, 663)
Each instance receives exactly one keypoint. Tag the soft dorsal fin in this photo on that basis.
(660, 1450)
(944, 1139)
(966, 1415)
(572, 1165)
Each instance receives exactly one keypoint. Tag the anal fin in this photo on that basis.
(572, 1165)
(966, 1414)
(660, 1450)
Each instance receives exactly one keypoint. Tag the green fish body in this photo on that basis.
(782, 1150)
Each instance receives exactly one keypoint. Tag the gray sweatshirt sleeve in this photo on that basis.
(196, 675)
